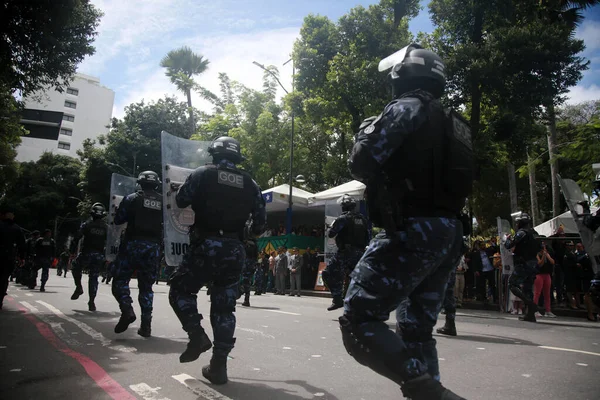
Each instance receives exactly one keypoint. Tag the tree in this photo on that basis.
(11, 131)
(41, 42)
(182, 65)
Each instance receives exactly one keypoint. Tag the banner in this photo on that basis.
(332, 210)
(120, 186)
(180, 157)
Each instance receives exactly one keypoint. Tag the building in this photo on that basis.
(60, 122)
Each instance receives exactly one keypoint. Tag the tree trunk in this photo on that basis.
(475, 78)
(533, 190)
(191, 111)
(512, 187)
(553, 160)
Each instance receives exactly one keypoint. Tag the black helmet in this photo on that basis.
(523, 220)
(148, 179)
(413, 68)
(348, 203)
(35, 233)
(97, 211)
(226, 147)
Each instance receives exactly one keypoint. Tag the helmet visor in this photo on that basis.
(396, 58)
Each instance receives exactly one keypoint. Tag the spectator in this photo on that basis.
(543, 280)
(484, 272)
(281, 266)
(295, 267)
(271, 274)
(306, 269)
(584, 265)
(459, 285)
(558, 281)
(571, 277)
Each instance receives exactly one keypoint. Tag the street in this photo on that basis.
(287, 348)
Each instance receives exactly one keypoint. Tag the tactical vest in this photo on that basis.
(251, 250)
(94, 236)
(146, 222)
(354, 233)
(44, 248)
(527, 248)
(224, 199)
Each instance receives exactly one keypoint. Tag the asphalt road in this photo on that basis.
(287, 348)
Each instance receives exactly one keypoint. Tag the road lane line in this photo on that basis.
(255, 332)
(283, 312)
(94, 371)
(94, 334)
(146, 392)
(570, 350)
(199, 388)
(56, 326)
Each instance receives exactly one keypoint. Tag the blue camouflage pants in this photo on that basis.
(247, 275)
(213, 260)
(523, 277)
(259, 280)
(339, 267)
(449, 303)
(43, 264)
(93, 262)
(408, 268)
(141, 256)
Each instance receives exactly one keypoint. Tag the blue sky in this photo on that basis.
(135, 34)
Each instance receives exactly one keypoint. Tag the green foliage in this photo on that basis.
(10, 137)
(43, 41)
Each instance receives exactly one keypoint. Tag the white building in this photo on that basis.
(60, 122)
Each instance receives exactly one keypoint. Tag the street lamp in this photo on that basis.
(291, 182)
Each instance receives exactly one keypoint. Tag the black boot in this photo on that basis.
(198, 344)
(145, 328)
(246, 302)
(530, 316)
(216, 371)
(127, 317)
(427, 388)
(448, 329)
(43, 287)
(91, 305)
(336, 303)
(78, 292)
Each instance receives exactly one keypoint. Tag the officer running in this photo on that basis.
(250, 267)
(12, 243)
(222, 197)
(525, 248)
(416, 161)
(139, 250)
(93, 232)
(351, 236)
(45, 252)
(27, 272)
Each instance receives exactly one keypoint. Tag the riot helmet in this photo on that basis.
(148, 180)
(227, 148)
(97, 211)
(523, 220)
(347, 202)
(35, 233)
(414, 67)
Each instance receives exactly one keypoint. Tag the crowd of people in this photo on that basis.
(300, 230)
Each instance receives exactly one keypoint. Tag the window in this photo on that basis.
(70, 104)
(64, 131)
(74, 92)
(69, 118)
(64, 146)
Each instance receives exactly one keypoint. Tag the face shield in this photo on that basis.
(396, 58)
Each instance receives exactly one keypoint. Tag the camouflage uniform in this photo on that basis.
(449, 299)
(45, 251)
(247, 274)
(339, 267)
(90, 258)
(93, 262)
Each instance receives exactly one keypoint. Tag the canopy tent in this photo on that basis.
(550, 227)
(277, 198)
(353, 188)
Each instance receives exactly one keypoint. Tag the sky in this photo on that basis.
(134, 35)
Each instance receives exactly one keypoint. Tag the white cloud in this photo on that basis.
(589, 31)
(580, 94)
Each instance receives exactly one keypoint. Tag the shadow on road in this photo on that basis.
(258, 308)
(569, 325)
(257, 389)
(490, 339)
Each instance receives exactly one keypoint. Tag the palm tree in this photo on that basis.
(182, 64)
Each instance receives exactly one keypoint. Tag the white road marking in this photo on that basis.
(595, 344)
(442, 359)
(287, 348)
(526, 375)
(199, 388)
(283, 312)
(16, 370)
(582, 364)
(94, 334)
(16, 296)
(570, 350)
(480, 348)
(319, 394)
(28, 294)
(114, 358)
(323, 337)
(147, 392)
(255, 332)
(55, 326)
(256, 369)
(316, 355)
(2, 347)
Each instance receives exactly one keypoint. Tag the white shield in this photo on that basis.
(332, 210)
(120, 186)
(180, 157)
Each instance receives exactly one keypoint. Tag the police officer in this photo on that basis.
(351, 236)
(28, 270)
(139, 250)
(12, 243)
(93, 232)
(222, 197)
(249, 265)
(525, 248)
(416, 161)
(45, 251)
(592, 222)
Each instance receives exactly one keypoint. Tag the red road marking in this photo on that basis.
(94, 371)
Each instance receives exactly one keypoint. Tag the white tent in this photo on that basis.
(549, 227)
(353, 188)
(277, 198)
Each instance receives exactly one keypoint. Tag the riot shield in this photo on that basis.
(504, 229)
(332, 210)
(180, 157)
(573, 195)
(120, 186)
